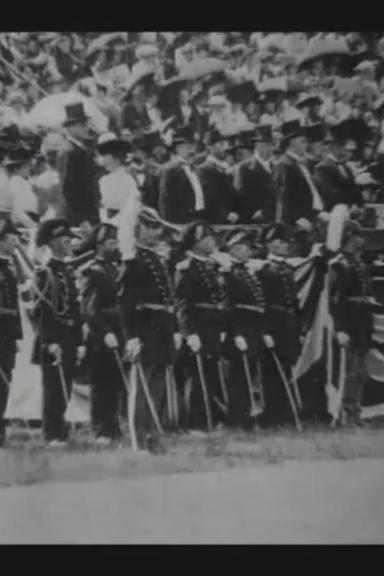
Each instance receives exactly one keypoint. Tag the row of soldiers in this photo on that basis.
(208, 340)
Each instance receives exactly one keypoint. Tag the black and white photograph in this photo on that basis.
(191, 287)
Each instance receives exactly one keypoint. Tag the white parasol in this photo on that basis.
(50, 112)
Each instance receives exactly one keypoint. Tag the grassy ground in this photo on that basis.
(26, 460)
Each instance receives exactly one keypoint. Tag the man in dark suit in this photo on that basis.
(144, 169)
(255, 183)
(298, 196)
(333, 177)
(77, 169)
(181, 190)
(315, 134)
(214, 173)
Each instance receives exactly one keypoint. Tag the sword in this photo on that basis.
(173, 405)
(342, 373)
(287, 389)
(169, 393)
(248, 378)
(64, 388)
(223, 384)
(148, 397)
(297, 393)
(261, 385)
(175, 396)
(205, 391)
(131, 388)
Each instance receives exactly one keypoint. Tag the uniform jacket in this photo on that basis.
(199, 281)
(78, 177)
(351, 280)
(10, 320)
(245, 289)
(257, 190)
(100, 303)
(282, 307)
(294, 194)
(336, 185)
(177, 197)
(56, 308)
(146, 281)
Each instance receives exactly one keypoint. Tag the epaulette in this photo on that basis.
(183, 265)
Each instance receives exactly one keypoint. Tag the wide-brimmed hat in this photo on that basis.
(75, 113)
(51, 229)
(110, 144)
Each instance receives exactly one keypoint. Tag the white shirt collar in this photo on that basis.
(220, 163)
(265, 163)
(274, 258)
(76, 142)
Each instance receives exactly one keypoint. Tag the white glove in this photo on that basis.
(80, 353)
(194, 342)
(55, 350)
(342, 339)
(132, 349)
(232, 217)
(110, 340)
(268, 341)
(177, 340)
(241, 343)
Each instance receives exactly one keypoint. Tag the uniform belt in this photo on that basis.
(7, 311)
(209, 306)
(250, 307)
(157, 307)
(279, 308)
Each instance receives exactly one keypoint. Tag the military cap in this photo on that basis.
(51, 229)
(277, 231)
(195, 232)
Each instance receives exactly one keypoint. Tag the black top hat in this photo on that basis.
(147, 141)
(51, 229)
(315, 132)
(8, 227)
(216, 136)
(263, 134)
(277, 231)
(244, 139)
(242, 93)
(291, 129)
(182, 136)
(194, 233)
(75, 114)
(113, 145)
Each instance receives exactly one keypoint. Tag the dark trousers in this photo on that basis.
(155, 379)
(54, 405)
(7, 363)
(106, 385)
(197, 417)
(238, 390)
(277, 407)
(356, 377)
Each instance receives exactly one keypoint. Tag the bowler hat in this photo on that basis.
(75, 113)
(52, 229)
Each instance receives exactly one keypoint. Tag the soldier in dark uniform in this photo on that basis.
(149, 314)
(283, 321)
(58, 324)
(351, 310)
(201, 289)
(102, 314)
(10, 320)
(247, 325)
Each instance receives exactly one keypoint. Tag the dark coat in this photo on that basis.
(200, 282)
(146, 280)
(257, 191)
(334, 186)
(100, 303)
(282, 312)
(148, 184)
(10, 320)
(177, 197)
(135, 119)
(350, 279)
(78, 177)
(295, 197)
(219, 194)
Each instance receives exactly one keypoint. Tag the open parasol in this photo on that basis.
(102, 42)
(324, 49)
(50, 112)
